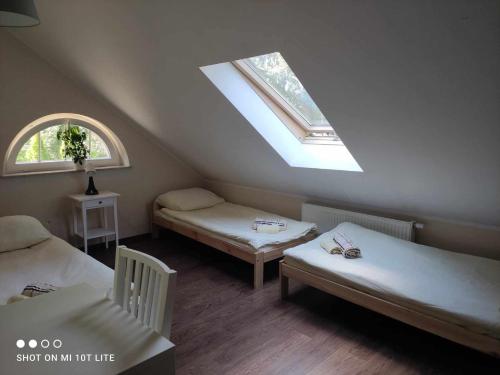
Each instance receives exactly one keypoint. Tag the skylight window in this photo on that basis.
(271, 75)
(266, 91)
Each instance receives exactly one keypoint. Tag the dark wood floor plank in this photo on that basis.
(223, 326)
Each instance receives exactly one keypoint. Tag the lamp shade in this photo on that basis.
(18, 13)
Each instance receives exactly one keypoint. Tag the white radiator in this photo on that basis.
(328, 218)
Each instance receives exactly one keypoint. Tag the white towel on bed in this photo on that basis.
(32, 290)
(276, 222)
(35, 289)
(17, 298)
(267, 228)
(331, 246)
(347, 247)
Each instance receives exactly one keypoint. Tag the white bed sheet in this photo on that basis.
(53, 261)
(459, 288)
(235, 221)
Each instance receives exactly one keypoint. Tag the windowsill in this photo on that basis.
(16, 174)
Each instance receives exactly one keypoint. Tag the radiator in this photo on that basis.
(328, 218)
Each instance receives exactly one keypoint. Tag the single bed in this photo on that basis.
(51, 261)
(228, 228)
(456, 296)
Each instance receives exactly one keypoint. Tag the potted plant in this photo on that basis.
(74, 147)
(74, 143)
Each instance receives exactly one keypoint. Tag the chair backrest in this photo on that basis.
(144, 286)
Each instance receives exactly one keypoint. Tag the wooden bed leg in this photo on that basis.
(258, 271)
(284, 284)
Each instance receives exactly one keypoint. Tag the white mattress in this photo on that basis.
(235, 221)
(53, 261)
(459, 288)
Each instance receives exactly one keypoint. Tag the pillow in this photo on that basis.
(188, 199)
(19, 232)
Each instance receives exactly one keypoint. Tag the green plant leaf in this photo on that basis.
(74, 143)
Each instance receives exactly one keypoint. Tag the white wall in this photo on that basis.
(31, 88)
(410, 86)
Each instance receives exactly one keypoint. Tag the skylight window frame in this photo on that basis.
(290, 117)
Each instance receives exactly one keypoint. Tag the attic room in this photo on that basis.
(250, 187)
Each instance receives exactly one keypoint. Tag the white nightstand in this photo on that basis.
(102, 201)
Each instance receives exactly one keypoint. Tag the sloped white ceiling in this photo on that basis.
(412, 87)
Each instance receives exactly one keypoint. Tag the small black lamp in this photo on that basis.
(18, 13)
(90, 170)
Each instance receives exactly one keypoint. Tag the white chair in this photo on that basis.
(144, 286)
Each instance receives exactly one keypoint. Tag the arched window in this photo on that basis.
(37, 149)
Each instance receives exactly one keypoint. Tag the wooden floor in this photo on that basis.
(223, 326)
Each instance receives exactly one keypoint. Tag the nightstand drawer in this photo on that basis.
(104, 202)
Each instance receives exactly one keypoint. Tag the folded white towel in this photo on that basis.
(35, 289)
(348, 249)
(267, 228)
(330, 246)
(351, 253)
(17, 298)
(281, 224)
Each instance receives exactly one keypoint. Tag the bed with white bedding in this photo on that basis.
(453, 295)
(207, 218)
(235, 221)
(51, 261)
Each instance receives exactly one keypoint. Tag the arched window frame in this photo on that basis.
(118, 155)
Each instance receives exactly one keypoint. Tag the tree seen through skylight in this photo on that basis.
(274, 70)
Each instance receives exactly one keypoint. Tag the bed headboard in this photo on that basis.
(328, 218)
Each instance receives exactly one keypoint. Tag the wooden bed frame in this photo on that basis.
(229, 246)
(417, 319)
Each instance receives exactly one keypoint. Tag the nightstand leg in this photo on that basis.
(105, 220)
(75, 221)
(115, 211)
(84, 219)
